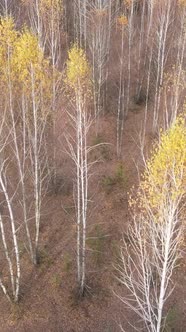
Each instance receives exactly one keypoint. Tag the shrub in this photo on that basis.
(118, 179)
(67, 263)
(56, 281)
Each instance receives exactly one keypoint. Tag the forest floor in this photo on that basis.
(49, 302)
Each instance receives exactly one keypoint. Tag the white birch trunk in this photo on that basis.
(15, 242)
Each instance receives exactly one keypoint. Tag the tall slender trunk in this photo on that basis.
(37, 183)
(78, 167)
(15, 241)
(120, 112)
(129, 54)
(8, 260)
(161, 300)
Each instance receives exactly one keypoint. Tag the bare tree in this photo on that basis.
(6, 7)
(175, 80)
(99, 23)
(80, 21)
(36, 20)
(148, 261)
(130, 39)
(164, 15)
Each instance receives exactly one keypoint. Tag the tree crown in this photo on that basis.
(165, 174)
(78, 69)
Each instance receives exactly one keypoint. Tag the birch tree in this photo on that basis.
(78, 83)
(8, 37)
(122, 23)
(155, 237)
(46, 19)
(26, 84)
(8, 224)
(33, 75)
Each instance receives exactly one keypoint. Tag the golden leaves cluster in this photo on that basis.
(78, 71)
(165, 174)
(22, 63)
(8, 38)
(122, 21)
(182, 3)
(8, 35)
(28, 60)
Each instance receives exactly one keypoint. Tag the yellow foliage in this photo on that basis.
(78, 69)
(8, 38)
(8, 35)
(165, 175)
(32, 70)
(28, 58)
(182, 2)
(27, 53)
(122, 20)
(23, 64)
(47, 5)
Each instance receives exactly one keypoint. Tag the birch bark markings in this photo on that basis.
(8, 222)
